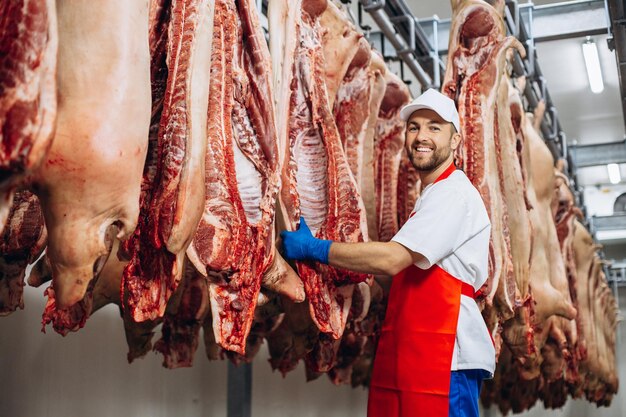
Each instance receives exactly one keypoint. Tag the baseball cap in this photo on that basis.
(432, 99)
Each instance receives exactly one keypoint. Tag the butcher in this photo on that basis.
(434, 349)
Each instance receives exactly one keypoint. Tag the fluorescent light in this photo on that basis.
(592, 62)
(614, 174)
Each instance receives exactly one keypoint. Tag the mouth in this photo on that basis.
(423, 150)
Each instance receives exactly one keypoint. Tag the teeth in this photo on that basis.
(423, 149)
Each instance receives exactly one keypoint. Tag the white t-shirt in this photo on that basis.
(451, 228)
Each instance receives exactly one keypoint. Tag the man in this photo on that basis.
(434, 348)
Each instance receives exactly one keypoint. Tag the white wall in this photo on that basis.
(86, 374)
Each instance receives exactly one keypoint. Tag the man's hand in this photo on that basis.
(301, 245)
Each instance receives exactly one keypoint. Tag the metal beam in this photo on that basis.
(565, 20)
(617, 16)
(239, 390)
(615, 222)
(549, 22)
(600, 154)
(404, 48)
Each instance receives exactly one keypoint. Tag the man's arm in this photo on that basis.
(378, 258)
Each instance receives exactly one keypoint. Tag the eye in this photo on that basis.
(412, 129)
(435, 128)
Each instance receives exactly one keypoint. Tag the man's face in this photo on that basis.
(430, 140)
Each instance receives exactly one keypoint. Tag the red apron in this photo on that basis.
(411, 375)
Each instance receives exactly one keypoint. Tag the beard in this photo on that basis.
(432, 161)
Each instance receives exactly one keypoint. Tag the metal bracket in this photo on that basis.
(407, 82)
(366, 28)
(410, 48)
(372, 5)
(434, 54)
(554, 118)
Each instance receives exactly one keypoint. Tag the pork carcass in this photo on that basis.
(234, 242)
(390, 188)
(476, 64)
(517, 332)
(102, 125)
(21, 243)
(342, 45)
(28, 99)
(183, 321)
(550, 291)
(540, 334)
(409, 186)
(596, 322)
(172, 190)
(366, 181)
(355, 337)
(352, 109)
(316, 179)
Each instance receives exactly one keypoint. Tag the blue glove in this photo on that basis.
(301, 245)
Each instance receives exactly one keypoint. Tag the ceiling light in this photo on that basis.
(592, 62)
(614, 174)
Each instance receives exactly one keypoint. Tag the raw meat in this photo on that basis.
(388, 149)
(21, 243)
(28, 100)
(102, 125)
(476, 63)
(316, 178)
(172, 191)
(234, 242)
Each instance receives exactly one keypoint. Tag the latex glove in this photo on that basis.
(301, 245)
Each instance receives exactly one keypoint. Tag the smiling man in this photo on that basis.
(434, 349)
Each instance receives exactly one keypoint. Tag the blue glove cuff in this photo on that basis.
(319, 249)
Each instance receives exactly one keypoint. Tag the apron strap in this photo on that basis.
(468, 290)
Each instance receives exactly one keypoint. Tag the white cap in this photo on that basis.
(432, 99)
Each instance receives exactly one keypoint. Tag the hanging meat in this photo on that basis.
(596, 322)
(367, 179)
(21, 243)
(391, 187)
(102, 124)
(172, 189)
(28, 100)
(352, 109)
(538, 335)
(476, 64)
(316, 179)
(234, 242)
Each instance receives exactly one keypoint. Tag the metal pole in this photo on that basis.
(239, 390)
(385, 25)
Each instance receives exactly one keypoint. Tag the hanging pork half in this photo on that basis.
(476, 63)
(517, 332)
(352, 108)
(561, 362)
(549, 286)
(394, 184)
(28, 98)
(21, 243)
(539, 332)
(234, 242)
(102, 125)
(316, 179)
(172, 190)
(596, 322)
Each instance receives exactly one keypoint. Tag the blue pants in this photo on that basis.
(464, 391)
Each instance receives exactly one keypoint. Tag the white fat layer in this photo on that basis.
(249, 182)
(310, 156)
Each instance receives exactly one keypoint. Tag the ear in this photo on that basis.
(455, 141)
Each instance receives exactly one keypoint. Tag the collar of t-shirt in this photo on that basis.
(445, 174)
